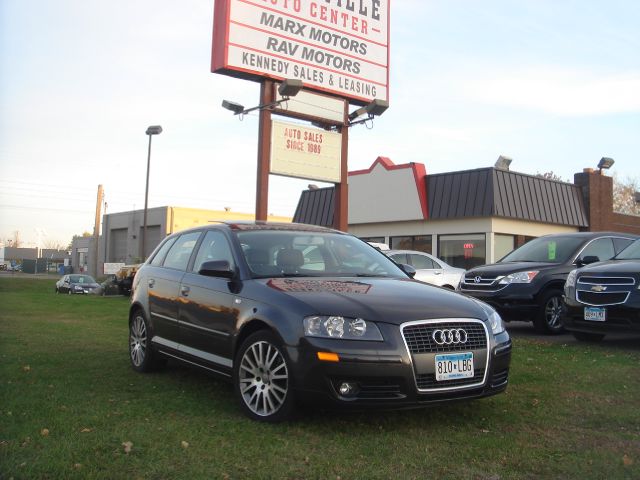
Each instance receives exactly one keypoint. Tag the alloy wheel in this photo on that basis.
(553, 312)
(263, 378)
(138, 340)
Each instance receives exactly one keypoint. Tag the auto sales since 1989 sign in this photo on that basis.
(337, 46)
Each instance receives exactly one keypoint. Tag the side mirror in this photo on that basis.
(408, 269)
(216, 268)
(587, 260)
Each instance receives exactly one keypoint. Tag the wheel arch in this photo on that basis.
(250, 327)
(136, 306)
(552, 285)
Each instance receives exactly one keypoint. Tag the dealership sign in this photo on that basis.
(303, 152)
(337, 46)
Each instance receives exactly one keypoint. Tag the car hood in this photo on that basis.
(505, 268)
(391, 300)
(612, 267)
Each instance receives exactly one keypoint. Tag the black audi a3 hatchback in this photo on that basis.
(297, 313)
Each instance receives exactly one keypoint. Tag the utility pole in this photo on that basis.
(96, 230)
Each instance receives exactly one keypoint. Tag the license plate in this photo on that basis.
(452, 366)
(595, 314)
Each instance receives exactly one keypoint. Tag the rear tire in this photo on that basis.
(548, 319)
(588, 337)
(262, 378)
(143, 358)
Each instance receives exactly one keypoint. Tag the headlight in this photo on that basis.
(519, 277)
(497, 325)
(493, 317)
(571, 279)
(341, 327)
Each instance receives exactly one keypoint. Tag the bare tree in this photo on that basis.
(551, 175)
(53, 245)
(15, 241)
(624, 195)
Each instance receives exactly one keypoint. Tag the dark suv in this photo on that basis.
(295, 312)
(528, 283)
(604, 297)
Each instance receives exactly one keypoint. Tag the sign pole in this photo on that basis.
(264, 151)
(341, 207)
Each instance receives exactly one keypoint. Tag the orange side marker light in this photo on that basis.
(328, 357)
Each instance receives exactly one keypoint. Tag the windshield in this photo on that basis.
(556, 249)
(81, 279)
(293, 253)
(632, 252)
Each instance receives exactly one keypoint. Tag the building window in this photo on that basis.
(420, 243)
(503, 244)
(463, 251)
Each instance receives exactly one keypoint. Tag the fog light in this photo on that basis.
(348, 389)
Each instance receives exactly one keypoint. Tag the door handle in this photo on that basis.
(184, 290)
(151, 282)
(437, 272)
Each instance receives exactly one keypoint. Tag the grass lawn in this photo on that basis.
(71, 407)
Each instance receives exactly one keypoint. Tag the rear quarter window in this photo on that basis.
(158, 258)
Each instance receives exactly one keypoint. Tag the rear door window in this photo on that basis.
(422, 262)
(399, 258)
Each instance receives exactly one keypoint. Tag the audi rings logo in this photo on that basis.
(452, 336)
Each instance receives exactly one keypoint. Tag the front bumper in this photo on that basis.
(619, 319)
(512, 306)
(386, 374)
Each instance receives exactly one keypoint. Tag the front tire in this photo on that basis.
(143, 358)
(549, 317)
(262, 378)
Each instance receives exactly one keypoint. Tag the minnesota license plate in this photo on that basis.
(452, 366)
(595, 314)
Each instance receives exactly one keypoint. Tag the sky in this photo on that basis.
(553, 84)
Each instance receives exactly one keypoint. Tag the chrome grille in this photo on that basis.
(602, 291)
(601, 299)
(607, 280)
(481, 282)
(419, 338)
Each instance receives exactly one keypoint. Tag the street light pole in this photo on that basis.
(152, 130)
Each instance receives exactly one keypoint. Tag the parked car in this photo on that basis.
(604, 297)
(429, 268)
(76, 283)
(293, 313)
(120, 282)
(528, 283)
(383, 247)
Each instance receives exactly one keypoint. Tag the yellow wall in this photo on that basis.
(179, 218)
